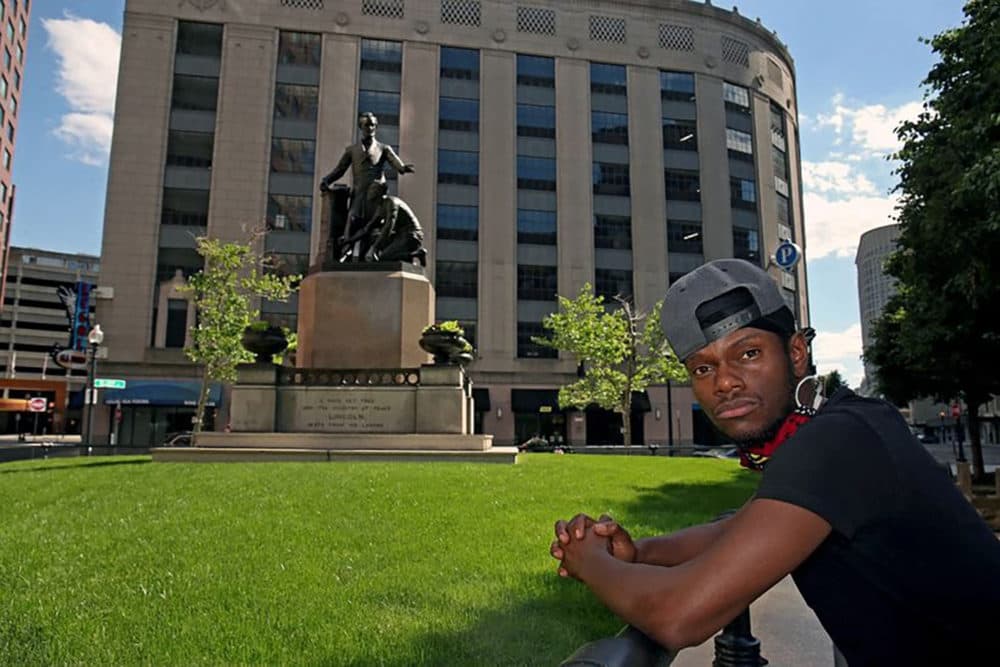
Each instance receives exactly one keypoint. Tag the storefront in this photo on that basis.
(148, 412)
(537, 413)
(604, 427)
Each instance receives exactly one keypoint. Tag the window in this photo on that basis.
(292, 156)
(536, 173)
(783, 210)
(613, 231)
(289, 213)
(458, 114)
(536, 71)
(537, 227)
(457, 279)
(286, 263)
(780, 163)
(3, 87)
(608, 128)
(22, 26)
(682, 185)
(384, 105)
(176, 322)
(6, 160)
(743, 193)
(608, 79)
(17, 80)
(189, 149)
(10, 130)
(680, 135)
(537, 283)
(199, 39)
(13, 106)
(740, 144)
(610, 283)
(736, 97)
(611, 179)
(19, 53)
(381, 56)
(294, 102)
(536, 121)
(457, 223)
(745, 244)
(458, 167)
(10, 30)
(459, 63)
(184, 207)
(299, 48)
(6, 59)
(678, 86)
(195, 93)
(527, 348)
(684, 236)
(3, 193)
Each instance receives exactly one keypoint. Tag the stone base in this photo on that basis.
(348, 441)
(264, 455)
(363, 319)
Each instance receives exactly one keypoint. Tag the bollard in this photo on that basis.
(964, 477)
(736, 646)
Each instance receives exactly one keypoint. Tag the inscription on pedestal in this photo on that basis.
(348, 410)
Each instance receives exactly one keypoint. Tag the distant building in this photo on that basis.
(14, 22)
(34, 321)
(875, 287)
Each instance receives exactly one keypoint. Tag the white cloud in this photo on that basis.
(836, 178)
(88, 54)
(833, 227)
(840, 351)
(872, 127)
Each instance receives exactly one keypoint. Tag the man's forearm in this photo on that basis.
(679, 547)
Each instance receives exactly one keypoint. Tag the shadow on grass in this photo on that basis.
(75, 464)
(658, 507)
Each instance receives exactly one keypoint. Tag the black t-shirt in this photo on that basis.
(910, 574)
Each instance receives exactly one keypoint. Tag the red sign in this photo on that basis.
(956, 410)
(38, 404)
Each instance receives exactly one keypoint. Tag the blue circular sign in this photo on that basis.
(787, 255)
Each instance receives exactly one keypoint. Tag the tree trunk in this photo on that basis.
(975, 442)
(199, 414)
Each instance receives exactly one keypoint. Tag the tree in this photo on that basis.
(225, 294)
(621, 351)
(832, 381)
(939, 336)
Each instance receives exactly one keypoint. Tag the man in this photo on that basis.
(896, 564)
(366, 160)
(399, 236)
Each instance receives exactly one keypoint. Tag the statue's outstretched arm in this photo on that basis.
(339, 170)
(397, 164)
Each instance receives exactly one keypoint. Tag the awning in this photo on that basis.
(162, 392)
(533, 400)
(481, 399)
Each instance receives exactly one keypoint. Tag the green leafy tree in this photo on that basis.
(622, 350)
(939, 336)
(225, 295)
(832, 381)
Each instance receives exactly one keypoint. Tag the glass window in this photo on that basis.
(677, 86)
(457, 223)
(527, 348)
(536, 173)
(608, 79)
(299, 48)
(10, 31)
(294, 102)
(536, 121)
(378, 55)
(739, 144)
(384, 105)
(286, 263)
(458, 114)
(610, 179)
(3, 193)
(3, 87)
(684, 236)
(459, 63)
(19, 53)
(736, 96)
(176, 322)
(680, 135)
(289, 213)
(199, 39)
(537, 283)
(613, 231)
(185, 207)
(460, 167)
(537, 227)
(13, 105)
(292, 156)
(682, 185)
(17, 80)
(195, 93)
(780, 163)
(6, 58)
(536, 71)
(610, 283)
(456, 279)
(743, 193)
(6, 159)
(608, 128)
(10, 130)
(783, 210)
(745, 244)
(189, 149)
(23, 27)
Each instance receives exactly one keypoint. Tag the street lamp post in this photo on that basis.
(94, 340)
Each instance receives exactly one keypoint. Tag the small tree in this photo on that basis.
(621, 351)
(832, 381)
(225, 293)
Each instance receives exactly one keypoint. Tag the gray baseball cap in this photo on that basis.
(718, 298)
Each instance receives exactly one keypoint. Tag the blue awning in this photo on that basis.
(161, 392)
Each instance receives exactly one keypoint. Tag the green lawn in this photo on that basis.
(122, 561)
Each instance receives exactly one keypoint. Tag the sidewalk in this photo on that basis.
(790, 634)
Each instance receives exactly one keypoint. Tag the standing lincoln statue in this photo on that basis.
(366, 159)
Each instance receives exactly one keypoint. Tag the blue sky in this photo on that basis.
(859, 66)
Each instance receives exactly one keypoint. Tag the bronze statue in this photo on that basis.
(393, 229)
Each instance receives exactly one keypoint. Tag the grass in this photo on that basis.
(122, 561)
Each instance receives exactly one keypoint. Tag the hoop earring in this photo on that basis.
(818, 399)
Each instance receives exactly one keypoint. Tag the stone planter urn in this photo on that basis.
(264, 342)
(447, 347)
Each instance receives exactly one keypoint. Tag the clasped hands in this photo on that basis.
(582, 541)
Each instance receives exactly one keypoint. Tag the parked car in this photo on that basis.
(182, 439)
(717, 453)
(539, 444)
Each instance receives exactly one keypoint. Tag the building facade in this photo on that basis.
(39, 307)
(616, 143)
(14, 23)
(875, 287)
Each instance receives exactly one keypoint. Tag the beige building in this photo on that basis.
(875, 287)
(556, 143)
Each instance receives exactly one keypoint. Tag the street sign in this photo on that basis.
(787, 255)
(108, 383)
(38, 404)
